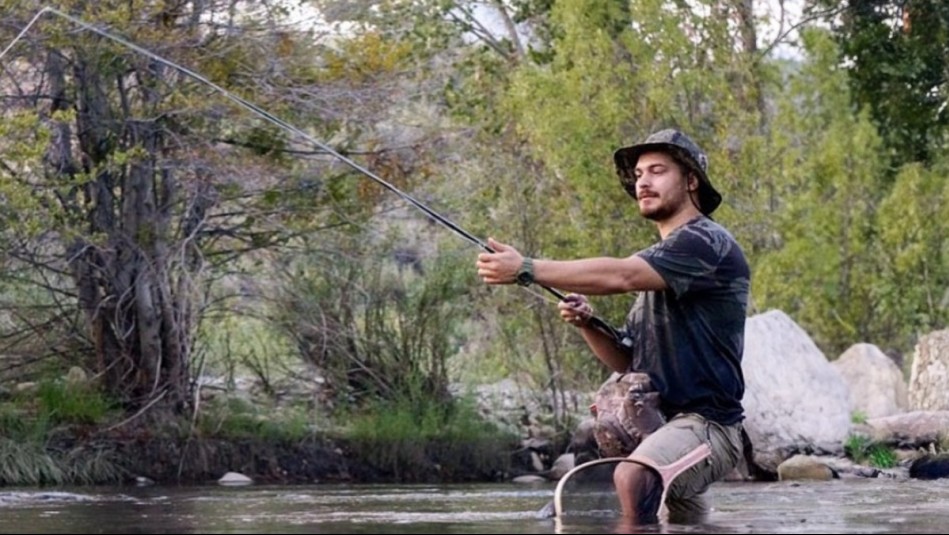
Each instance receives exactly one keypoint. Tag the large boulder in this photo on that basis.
(795, 400)
(876, 383)
(929, 377)
(914, 429)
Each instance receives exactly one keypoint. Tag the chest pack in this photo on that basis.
(626, 410)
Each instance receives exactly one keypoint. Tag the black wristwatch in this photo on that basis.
(525, 275)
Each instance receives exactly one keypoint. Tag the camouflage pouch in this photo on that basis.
(626, 410)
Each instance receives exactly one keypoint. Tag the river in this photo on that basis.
(838, 506)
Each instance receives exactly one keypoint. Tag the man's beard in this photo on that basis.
(659, 213)
(666, 209)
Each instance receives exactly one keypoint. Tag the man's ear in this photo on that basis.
(693, 183)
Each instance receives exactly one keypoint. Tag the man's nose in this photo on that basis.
(643, 182)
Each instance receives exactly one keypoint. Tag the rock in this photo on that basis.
(929, 377)
(909, 430)
(25, 387)
(530, 478)
(804, 467)
(876, 384)
(76, 376)
(583, 442)
(795, 400)
(930, 467)
(234, 478)
(561, 466)
(536, 462)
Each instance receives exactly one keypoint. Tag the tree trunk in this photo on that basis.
(124, 283)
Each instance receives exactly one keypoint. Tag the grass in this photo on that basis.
(236, 345)
(406, 440)
(942, 445)
(236, 418)
(72, 403)
(21, 425)
(32, 464)
(862, 450)
(881, 456)
(28, 463)
(31, 415)
(30, 420)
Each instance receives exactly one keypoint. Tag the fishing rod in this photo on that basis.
(257, 110)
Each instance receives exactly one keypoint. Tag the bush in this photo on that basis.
(862, 450)
(419, 441)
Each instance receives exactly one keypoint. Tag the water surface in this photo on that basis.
(839, 506)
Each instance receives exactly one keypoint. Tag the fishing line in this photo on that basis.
(253, 108)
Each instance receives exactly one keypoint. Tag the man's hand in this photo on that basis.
(499, 267)
(576, 310)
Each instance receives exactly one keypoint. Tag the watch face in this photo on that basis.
(525, 275)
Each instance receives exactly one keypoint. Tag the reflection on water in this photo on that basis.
(840, 506)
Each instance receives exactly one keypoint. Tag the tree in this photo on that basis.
(130, 188)
(897, 55)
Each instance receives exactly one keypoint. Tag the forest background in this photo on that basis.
(161, 244)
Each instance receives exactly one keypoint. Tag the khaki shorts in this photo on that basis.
(678, 437)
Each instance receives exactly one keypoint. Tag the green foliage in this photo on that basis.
(858, 417)
(374, 328)
(864, 253)
(914, 272)
(129, 188)
(832, 170)
(897, 55)
(34, 412)
(405, 437)
(32, 464)
(881, 456)
(606, 81)
(65, 402)
(855, 445)
(91, 465)
(829, 192)
(28, 464)
(366, 56)
(22, 211)
(21, 425)
(236, 418)
(862, 450)
(243, 342)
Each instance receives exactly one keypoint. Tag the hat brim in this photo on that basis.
(627, 157)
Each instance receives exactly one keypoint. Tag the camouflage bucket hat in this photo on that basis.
(681, 147)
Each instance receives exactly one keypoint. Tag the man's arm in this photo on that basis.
(599, 276)
(590, 276)
(605, 349)
(576, 310)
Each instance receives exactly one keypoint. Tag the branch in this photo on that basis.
(802, 22)
(136, 415)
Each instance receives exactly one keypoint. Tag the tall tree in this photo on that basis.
(142, 185)
(897, 54)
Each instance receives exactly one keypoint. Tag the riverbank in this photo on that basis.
(372, 448)
(314, 460)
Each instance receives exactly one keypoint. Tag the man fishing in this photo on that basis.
(685, 328)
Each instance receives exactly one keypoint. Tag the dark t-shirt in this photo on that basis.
(689, 338)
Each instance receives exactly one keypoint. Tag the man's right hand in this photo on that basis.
(576, 310)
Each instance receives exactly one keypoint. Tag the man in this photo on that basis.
(685, 329)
